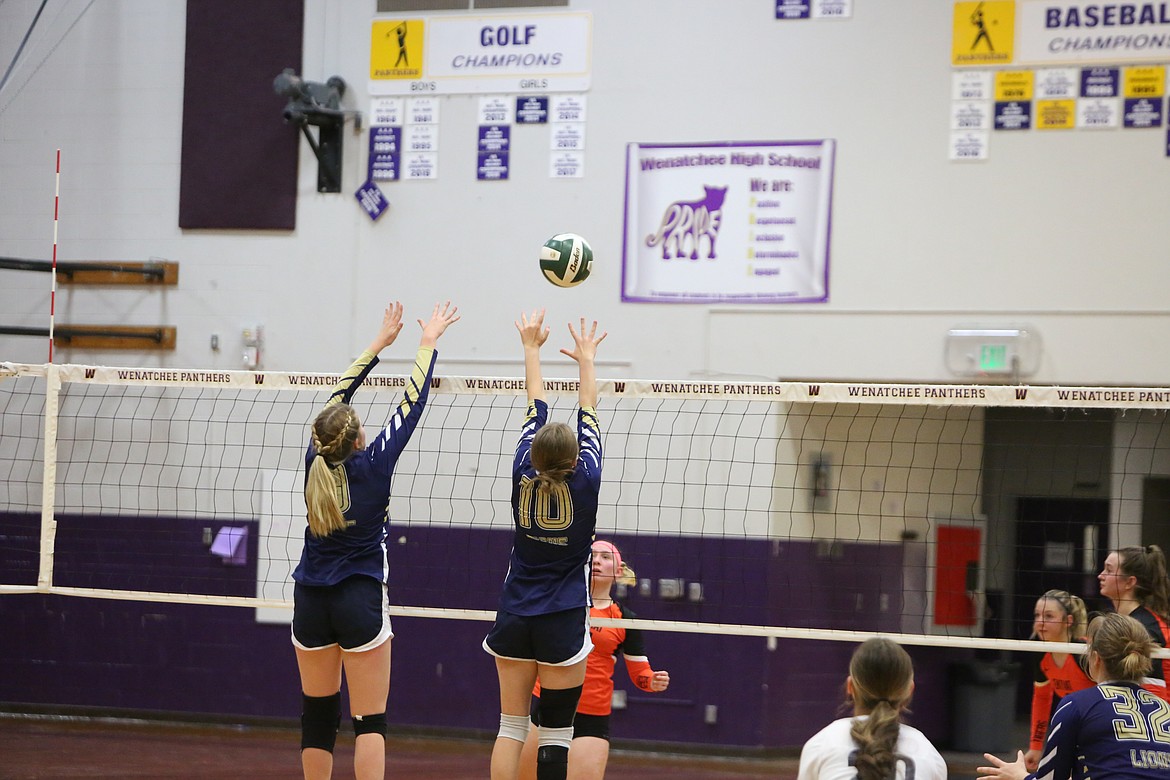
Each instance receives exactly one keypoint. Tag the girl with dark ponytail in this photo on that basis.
(1135, 580)
(874, 744)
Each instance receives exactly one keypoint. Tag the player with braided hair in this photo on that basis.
(341, 614)
(874, 744)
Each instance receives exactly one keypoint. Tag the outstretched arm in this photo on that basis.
(391, 327)
(392, 440)
(354, 375)
(584, 351)
(443, 315)
(533, 334)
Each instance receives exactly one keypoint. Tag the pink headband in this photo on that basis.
(617, 556)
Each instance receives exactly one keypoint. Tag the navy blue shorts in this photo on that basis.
(555, 639)
(354, 613)
(583, 725)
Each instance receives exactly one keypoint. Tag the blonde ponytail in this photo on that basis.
(335, 432)
(321, 500)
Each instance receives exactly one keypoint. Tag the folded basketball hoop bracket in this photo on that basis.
(314, 103)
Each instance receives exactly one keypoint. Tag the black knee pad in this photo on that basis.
(369, 724)
(320, 718)
(558, 706)
(552, 761)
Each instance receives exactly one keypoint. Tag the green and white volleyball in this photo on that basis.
(566, 259)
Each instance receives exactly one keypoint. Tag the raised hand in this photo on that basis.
(533, 332)
(444, 314)
(391, 327)
(585, 344)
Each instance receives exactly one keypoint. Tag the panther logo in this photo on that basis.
(686, 222)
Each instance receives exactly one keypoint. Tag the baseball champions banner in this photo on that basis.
(728, 222)
(1049, 32)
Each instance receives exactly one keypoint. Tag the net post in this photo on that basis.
(49, 479)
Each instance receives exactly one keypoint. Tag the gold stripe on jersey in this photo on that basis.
(418, 376)
(353, 372)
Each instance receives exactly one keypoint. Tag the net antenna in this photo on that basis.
(56, 215)
(779, 510)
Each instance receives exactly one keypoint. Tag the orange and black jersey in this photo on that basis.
(1052, 683)
(597, 694)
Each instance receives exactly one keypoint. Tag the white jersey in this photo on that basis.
(830, 753)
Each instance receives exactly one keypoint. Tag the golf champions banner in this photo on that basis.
(728, 222)
(510, 53)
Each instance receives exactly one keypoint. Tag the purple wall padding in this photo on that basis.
(239, 160)
(114, 655)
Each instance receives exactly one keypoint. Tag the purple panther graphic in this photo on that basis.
(688, 222)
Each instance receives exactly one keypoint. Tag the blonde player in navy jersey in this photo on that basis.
(341, 616)
(1114, 730)
(542, 624)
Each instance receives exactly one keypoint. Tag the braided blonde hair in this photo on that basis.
(334, 431)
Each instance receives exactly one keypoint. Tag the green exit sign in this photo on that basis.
(993, 357)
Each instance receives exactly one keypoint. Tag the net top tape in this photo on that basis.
(779, 392)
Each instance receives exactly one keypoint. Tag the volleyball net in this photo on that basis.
(932, 513)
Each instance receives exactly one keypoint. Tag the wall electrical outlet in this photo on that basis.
(670, 588)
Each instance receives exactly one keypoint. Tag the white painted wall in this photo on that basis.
(1058, 231)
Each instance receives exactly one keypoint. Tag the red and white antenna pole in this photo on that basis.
(53, 289)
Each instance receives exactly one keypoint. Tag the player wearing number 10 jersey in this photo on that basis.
(549, 567)
(542, 624)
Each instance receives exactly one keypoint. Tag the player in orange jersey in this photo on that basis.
(589, 752)
(1059, 617)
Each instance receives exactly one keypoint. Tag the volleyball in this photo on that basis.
(566, 259)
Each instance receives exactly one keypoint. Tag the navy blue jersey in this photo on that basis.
(549, 568)
(363, 482)
(1113, 730)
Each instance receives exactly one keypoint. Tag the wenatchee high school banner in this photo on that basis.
(728, 222)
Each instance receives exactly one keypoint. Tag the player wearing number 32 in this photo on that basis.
(341, 616)
(542, 624)
(1114, 730)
